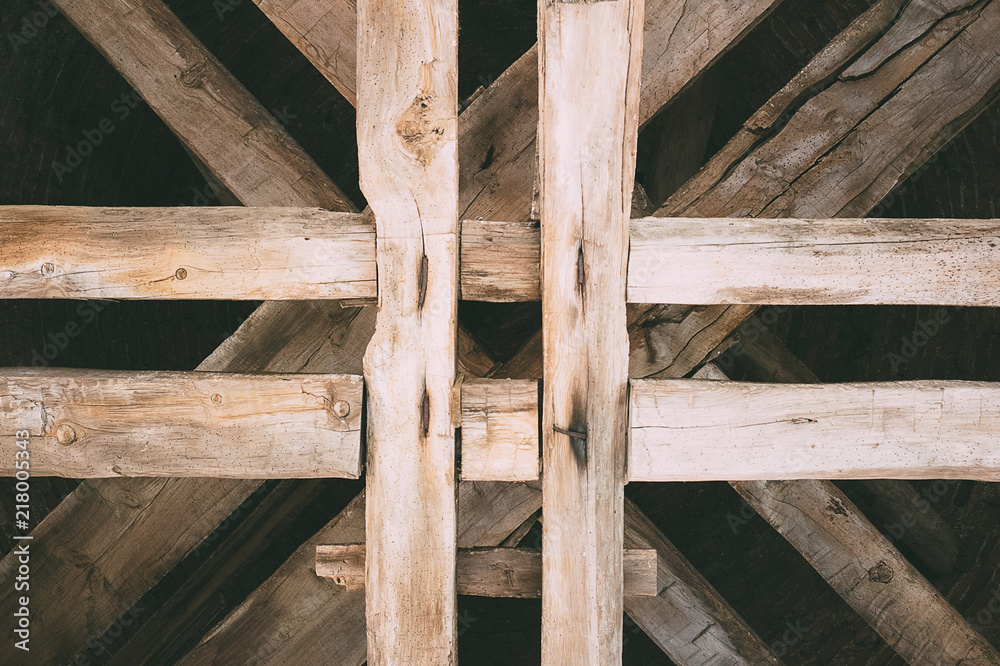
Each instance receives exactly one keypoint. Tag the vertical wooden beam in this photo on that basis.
(407, 144)
(589, 70)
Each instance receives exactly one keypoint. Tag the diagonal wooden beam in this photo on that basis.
(289, 337)
(789, 160)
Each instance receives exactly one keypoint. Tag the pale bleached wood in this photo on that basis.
(237, 139)
(89, 423)
(588, 123)
(868, 572)
(815, 262)
(695, 430)
(183, 253)
(407, 146)
(499, 430)
(296, 617)
(489, 572)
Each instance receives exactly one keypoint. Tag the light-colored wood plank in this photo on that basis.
(288, 619)
(88, 423)
(695, 430)
(499, 430)
(815, 262)
(183, 253)
(588, 123)
(489, 572)
(868, 572)
(209, 110)
(407, 146)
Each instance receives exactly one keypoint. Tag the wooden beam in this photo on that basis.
(868, 572)
(497, 132)
(288, 619)
(407, 146)
(687, 618)
(490, 572)
(499, 430)
(87, 424)
(184, 253)
(694, 430)
(309, 253)
(588, 123)
(237, 139)
(790, 161)
(815, 262)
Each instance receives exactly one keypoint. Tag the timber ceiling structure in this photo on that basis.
(296, 197)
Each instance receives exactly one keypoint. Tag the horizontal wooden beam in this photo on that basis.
(308, 253)
(703, 430)
(815, 262)
(185, 253)
(490, 572)
(83, 423)
(499, 430)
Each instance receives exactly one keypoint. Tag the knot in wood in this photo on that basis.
(181, 273)
(65, 434)
(880, 573)
(48, 268)
(420, 128)
(341, 408)
(194, 76)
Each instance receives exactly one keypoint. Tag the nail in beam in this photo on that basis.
(587, 135)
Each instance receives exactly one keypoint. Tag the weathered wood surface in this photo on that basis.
(296, 617)
(501, 261)
(209, 110)
(815, 262)
(819, 151)
(892, 502)
(588, 124)
(325, 32)
(407, 147)
(497, 132)
(860, 564)
(490, 572)
(687, 618)
(695, 430)
(868, 572)
(89, 423)
(128, 533)
(166, 253)
(499, 430)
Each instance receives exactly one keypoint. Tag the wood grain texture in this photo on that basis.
(209, 110)
(290, 618)
(325, 32)
(407, 147)
(817, 150)
(868, 572)
(499, 430)
(687, 618)
(588, 123)
(706, 430)
(815, 262)
(489, 572)
(93, 424)
(184, 253)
